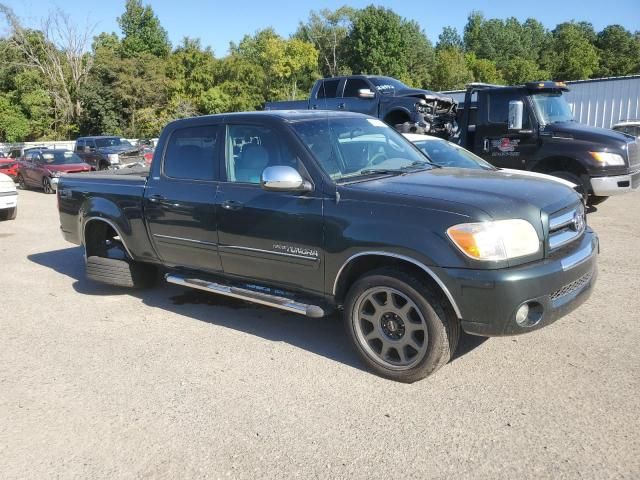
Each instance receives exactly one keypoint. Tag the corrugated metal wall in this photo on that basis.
(599, 102)
(602, 103)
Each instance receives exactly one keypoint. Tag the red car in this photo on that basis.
(9, 166)
(42, 168)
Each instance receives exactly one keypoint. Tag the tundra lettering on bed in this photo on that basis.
(314, 212)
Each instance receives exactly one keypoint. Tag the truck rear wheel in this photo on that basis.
(121, 273)
(401, 329)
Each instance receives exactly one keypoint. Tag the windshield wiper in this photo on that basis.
(420, 163)
(385, 171)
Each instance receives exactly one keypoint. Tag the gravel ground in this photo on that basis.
(97, 382)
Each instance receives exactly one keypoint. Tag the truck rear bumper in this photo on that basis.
(607, 186)
(489, 300)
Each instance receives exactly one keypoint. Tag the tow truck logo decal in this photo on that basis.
(505, 147)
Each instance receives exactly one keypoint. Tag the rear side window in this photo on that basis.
(329, 88)
(353, 85)
(191, 153)
(79, 145)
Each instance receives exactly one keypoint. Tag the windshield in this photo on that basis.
(60, 158)
(447, 154)
(112, 142)
(384, 84)
(552, 108)
(353, 147)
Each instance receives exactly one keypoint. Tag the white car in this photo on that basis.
(447, 154)
(8, 198)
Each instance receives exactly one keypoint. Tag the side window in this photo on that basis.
(80, 146)
(14, 154)
(191, 153)
(250, 149)
(499, 108)
(353, 85)
(328, 88)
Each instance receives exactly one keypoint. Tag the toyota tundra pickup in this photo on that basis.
(313, 212)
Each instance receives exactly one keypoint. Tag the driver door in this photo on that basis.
(267, 236)
(494, 142)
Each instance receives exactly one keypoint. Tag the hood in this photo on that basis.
(420, 93)
(69, 167)
(580, 131)
(499, 195)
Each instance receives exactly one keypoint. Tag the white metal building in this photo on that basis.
(599, 102)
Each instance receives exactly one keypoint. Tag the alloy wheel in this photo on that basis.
(390, 328)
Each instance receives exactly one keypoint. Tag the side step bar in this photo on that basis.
(282, 303)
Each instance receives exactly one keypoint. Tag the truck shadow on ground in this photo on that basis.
(323, 336)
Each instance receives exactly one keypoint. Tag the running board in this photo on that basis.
(274, 301)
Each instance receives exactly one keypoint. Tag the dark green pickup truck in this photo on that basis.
(313, 212)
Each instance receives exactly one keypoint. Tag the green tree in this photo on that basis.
(483, 70)
(327, 31)
(142, 32)
(449, 38)
(14, 126)
(619, 52)
(381, 42)
(522, 70)
(572, 56)
(289, 66)
(451, 70)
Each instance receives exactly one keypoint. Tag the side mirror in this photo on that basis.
(516, 109)
(366, 93)
(282, 178)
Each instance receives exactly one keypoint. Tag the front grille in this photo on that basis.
(634, 154)
(566, 225)
(572, 287)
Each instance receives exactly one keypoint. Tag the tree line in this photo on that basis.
(60, 80)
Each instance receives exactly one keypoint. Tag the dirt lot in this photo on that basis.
(97, 382)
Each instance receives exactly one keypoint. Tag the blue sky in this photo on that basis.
(218, 23)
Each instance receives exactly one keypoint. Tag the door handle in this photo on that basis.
(156, 198)
(485, 145)
(232, 205)
(342, 106)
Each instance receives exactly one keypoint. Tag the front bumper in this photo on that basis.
(607, 186)
(489, 299)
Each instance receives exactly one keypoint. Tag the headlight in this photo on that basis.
(54, 174)
(113, 158)
(492, 241)
(607, 158)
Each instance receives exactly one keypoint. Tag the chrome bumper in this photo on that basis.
(607, 186)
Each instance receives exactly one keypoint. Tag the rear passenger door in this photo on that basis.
(328, 95)
(180, 203)
(265, 236)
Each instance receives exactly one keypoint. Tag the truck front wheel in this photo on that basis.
(401, 329)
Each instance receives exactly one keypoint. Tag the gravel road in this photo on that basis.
(97, 382)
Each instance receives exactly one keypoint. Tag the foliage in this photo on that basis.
(57, 81)
(142, 32)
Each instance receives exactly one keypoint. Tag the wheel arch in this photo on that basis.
(397, 114)
(362, 262)
(91, 223)
(559, 162)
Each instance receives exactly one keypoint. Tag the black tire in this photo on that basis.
(9, 213)
(583, 187)
(595, 200)
(103, 166)
(46, 186)
(22, 185)
(437, 323)
(121, 273)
